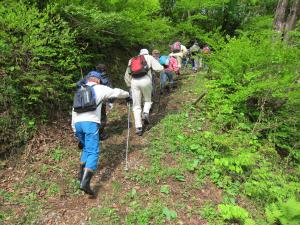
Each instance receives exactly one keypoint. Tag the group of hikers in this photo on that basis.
(95, 93)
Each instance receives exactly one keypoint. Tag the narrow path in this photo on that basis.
(112, 164)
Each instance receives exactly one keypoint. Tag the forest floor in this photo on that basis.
(40, 186)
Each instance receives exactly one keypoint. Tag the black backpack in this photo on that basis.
(85, 99)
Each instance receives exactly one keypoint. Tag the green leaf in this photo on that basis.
(194, 146)
(191, 166)
(180, 178)
(133, 193)
(169, 214)
(165, 189)
(180, 137)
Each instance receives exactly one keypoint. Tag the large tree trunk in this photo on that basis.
(280, 15)
(292, 18)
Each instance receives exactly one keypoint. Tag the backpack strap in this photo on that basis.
(146, 64)
(95, 96)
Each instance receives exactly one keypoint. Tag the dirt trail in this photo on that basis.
(112, 164)
(74, 209)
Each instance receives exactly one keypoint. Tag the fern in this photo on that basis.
(287, 213)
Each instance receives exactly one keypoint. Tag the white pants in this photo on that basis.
(141, 87)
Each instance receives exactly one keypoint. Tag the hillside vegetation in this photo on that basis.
(243, 137)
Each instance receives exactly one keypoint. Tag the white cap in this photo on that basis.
(144, 52)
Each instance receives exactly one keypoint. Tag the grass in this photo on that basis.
(27, 198)
(165, 185)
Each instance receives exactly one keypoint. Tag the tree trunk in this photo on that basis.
(292, 18)
(280, 15)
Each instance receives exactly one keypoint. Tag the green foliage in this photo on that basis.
(37, 67)
(47, 47)
(287, 213)
(268, 186)
(165, 189)
(192, 166)
(244, 84)
(208, 15)
(145, 215)
(57, 154)
(208, 211)
(233, 213)
(105, 215)
(245, 132)
(169, 214)
(238, 163)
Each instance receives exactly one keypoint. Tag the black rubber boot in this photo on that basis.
(85, 182)
(81, 170)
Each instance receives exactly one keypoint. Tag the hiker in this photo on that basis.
(194, 52)
(205, 53)
(138, 76)
(100, 68)
(156, 54)
(155, 75)
(86, 124)
(179, 51)
(170, 68)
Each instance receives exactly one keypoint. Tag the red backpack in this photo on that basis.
(176, 47)
(138, 66)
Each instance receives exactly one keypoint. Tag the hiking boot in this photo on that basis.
(139, 131)
(103, 136)
(81, 170)
(85, 182)
(145, 117)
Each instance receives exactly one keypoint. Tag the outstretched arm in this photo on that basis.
(155, 65)
(108, 92)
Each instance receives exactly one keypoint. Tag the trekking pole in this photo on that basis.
(159, 90)
(127, 143)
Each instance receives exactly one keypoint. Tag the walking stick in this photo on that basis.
(158, 108)
(127, 143)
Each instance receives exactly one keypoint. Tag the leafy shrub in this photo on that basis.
(287, 213)
(236, 164)
(37, 65)
(268, 185)
(233, 213)
(260, 89)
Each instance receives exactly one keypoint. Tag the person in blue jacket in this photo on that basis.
(101, 73)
